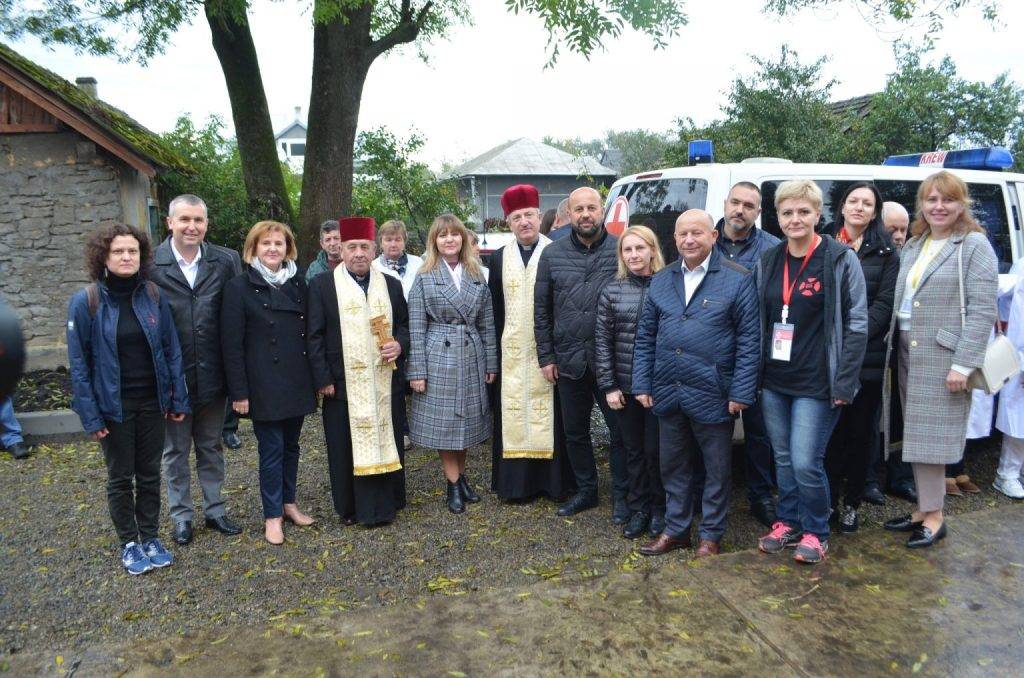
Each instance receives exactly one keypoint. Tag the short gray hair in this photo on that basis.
(187, 199)
(891, 206)
(329, 225)
(563, 208)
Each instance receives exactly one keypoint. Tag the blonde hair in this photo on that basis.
(392, 227)
(432, 257)
(649, 237)
(804, 189)
(262, 228)
(949, 186)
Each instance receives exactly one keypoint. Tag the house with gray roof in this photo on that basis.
(554, 172)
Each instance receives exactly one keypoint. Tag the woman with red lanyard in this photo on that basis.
(814, 311)
(854, 445)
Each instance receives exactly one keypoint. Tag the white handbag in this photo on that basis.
(1001, 363)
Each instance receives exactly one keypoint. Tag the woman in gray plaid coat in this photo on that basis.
(936, 353)
(453, 354)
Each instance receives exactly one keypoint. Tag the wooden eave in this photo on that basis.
(73, 118)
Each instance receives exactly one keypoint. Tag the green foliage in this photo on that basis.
(641, 149)
(929, 107)
(390, 184)
(781, 109)
(217, 179)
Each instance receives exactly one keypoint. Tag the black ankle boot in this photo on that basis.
(455, 503)
(468, 494)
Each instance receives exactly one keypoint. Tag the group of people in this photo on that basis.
(794, 336)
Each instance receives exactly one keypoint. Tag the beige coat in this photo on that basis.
(935, 420)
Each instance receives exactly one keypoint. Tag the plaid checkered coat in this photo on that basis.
(935, 420)
(453, 346)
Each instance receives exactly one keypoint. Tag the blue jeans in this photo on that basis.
(799, 429)
(11, 429)
(279, 462)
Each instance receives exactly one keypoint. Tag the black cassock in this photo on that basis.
(369, 500)
(519, 479)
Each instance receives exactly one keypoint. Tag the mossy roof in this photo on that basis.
(118, 123)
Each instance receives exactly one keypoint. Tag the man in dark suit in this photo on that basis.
(696, 362)
(191, 274)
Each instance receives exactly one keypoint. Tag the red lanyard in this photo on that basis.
(787, 289)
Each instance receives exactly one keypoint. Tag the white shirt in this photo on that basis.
(190, 271)
(692, 279)
(456, 274)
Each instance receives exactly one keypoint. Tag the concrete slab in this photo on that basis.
(49, 423)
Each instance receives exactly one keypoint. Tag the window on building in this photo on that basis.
(298, 150)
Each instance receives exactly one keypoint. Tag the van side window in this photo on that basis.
(989, 208)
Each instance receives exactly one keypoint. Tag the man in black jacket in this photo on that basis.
(570, 277)
(191, 274)
(742, 242)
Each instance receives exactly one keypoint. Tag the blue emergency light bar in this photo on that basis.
(701, 151)
(994, 158)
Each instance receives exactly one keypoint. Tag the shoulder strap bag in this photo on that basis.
(1000, 363)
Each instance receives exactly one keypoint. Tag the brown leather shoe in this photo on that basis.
(663, 544)
(965, 485)
(952, 489)
(707, 548)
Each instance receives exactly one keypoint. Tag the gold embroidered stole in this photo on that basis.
(367, 377)
(527, 399)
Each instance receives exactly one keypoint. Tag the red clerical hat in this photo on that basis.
(357, 228)
(519, 196)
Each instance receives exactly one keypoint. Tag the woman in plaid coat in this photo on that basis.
(453, 354)
(935, 353)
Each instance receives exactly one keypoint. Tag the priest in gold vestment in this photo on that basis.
(358, 337)
(527, 446)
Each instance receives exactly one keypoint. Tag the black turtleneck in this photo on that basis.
(138, 376)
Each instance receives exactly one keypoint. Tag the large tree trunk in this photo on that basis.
(261, 168)
(342, 54)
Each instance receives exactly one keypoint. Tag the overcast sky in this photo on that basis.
(488, 84)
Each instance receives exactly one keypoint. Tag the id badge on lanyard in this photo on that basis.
(783, 332)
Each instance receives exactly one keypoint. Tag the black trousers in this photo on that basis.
(576, 397)
(133, 450)
(639, 429)
(853, 446)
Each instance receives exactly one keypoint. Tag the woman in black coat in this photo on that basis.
(263, 336)
(854, 443)
(618, 311)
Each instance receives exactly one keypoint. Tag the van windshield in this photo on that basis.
(656, 204)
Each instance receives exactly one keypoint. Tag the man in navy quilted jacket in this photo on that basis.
(696, 362)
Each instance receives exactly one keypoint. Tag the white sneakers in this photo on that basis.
(1011, 487)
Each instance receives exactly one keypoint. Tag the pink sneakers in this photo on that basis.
(781, 536)
(810, 550)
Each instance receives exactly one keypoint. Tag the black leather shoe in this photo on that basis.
(224, 525)
(183, 532)
(902, 524)
(454, 498)
(636, 526)
(468, 494)
(620, 512)
(577, 504)
(873, 495)
(19, 450)
(232, 441)
(923, 537)
(656, 527)
(904, 492)
(763, 510)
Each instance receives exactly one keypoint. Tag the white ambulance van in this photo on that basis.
(656, 198)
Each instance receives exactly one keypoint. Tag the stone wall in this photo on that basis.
(54, 189)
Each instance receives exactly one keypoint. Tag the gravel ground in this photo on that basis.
(43, 390)
(62, 588)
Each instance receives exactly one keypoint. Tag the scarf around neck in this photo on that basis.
(283, 274)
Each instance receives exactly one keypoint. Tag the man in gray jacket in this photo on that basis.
(571, 274)
(191, 274)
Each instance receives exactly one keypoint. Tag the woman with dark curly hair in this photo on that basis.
(127, 378)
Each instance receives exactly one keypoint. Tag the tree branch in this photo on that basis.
(406, 31)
